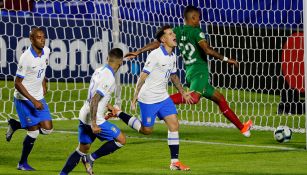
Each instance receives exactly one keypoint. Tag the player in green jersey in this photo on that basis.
(194, 49)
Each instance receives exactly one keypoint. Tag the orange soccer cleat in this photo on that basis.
(179, 166)
(246, 129)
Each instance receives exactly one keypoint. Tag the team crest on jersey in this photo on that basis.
(28, 120)
(148, 119)
(114, 129)
(202, 35)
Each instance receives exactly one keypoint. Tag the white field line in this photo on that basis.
(208, 143)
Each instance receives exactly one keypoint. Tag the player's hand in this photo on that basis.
(187, 97)
(96, 129)
(113, 109)
(234, 62)
(38, 105)
(131, 55)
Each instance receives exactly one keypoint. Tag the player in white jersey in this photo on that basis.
(151, 93)
(92, 123)
(30, 88)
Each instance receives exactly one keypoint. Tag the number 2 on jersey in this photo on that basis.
(190, 49)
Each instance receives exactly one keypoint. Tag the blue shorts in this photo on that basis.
(108, 132)
(161, 109)
(28, 115)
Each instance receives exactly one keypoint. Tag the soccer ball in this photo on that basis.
(283, 134)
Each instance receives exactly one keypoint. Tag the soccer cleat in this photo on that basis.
(246, 129)
(179, 166)
(12, 127)
(25, 167)
(88, 164)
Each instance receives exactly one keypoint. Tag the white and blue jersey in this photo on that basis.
(159, 65)
(103, 83)
(153, 97)
(31, 68)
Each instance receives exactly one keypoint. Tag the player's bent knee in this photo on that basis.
(146, 131)
(83, 148)
(33, 134)
(45, 131)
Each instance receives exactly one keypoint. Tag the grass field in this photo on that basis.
(207, 150)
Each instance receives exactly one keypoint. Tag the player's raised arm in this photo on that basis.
(153, 45)
(210, 51)
(139, 85)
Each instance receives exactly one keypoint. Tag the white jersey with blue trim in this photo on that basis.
(159, 65)
(103, 83)
(32, 69)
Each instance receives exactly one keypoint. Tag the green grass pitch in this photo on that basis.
(207, 150)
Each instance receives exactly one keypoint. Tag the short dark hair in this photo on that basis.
(189, 9)
(116, 53)
(34, 30)
(160, 32)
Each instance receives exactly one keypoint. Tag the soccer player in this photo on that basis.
(194, 48)
(30, 88)
(92, 123)
(151, 93)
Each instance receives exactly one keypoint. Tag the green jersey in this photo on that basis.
(188, 38)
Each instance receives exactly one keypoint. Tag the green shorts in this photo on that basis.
(199, 81)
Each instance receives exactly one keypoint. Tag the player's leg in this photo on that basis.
(219, 99)
(168, 113)
(29, 120)
(86, 137)
(45, 119)
(196, 85)
(115, 140)
(28, 145)
(13, 125)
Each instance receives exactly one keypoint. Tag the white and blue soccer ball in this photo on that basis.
(283, 134)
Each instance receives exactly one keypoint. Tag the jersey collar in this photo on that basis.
(34, 53)
(110, 68)
(164, 50)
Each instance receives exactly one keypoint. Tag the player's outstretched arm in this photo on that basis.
(186, 95)
(139, 85)
(153, 45)
(93, 109)
(210, 51)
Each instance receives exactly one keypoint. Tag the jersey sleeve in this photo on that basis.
(104, 87)
(199, 35)
(150, 63)
(21, 67)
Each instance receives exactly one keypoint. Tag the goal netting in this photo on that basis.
(265, 36)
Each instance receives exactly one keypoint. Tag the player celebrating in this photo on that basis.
(92, 123)
(151, 93)
(194, 48)
(30, 88)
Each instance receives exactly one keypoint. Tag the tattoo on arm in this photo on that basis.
(94, 106)
(176, 81)
(139, 84)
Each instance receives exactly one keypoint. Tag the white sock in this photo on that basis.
(135, 123)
